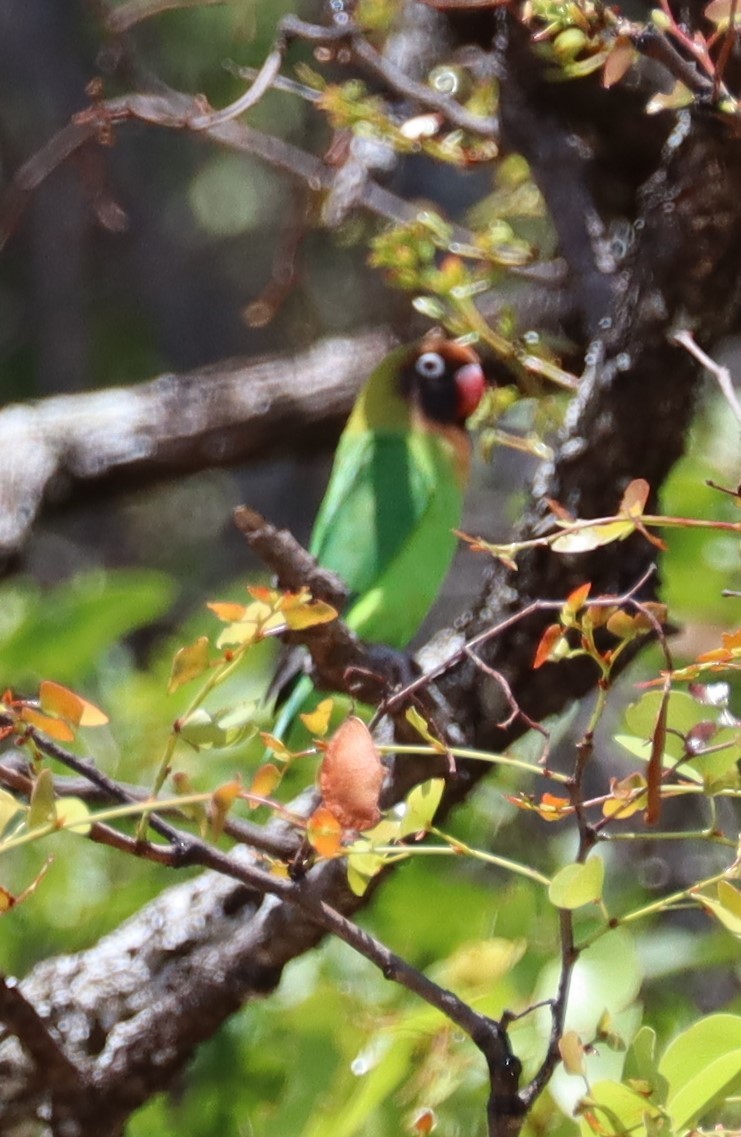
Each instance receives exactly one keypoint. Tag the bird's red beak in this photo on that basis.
(470, 383)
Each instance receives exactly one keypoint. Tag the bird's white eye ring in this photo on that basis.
(430, 365)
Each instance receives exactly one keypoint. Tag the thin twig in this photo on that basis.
(721, 374)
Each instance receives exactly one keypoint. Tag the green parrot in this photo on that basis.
(395, 493)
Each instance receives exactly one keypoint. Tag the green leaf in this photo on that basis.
(619, 1110)
(226, 727)
(73, 812)
(702, 1067)
(42, 808)
(421, 807)
(726, 906)
(577, 885)
(9, 807)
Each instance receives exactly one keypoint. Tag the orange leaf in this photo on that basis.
(324, 832)
(228, 611)
(548, 641)
(424, 1121)
(280, 750)
(575, 600)
(351, 775)
(58, 700)
(266, 778)
(55, 728)
(221, 802)
(263, 593)
(552, 808)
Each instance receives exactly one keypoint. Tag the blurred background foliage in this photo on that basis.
(107, 591)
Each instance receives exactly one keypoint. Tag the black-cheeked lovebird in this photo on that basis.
(395, 493)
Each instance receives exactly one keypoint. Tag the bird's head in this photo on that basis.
(444, 380)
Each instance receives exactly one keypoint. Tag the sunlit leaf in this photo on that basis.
(626, 797)
(55, 728)
(278, 747)
(227, 611)
(265, 779)
(200, 730)
(317, 721)
(221, 803)
(679, 96)
(415, 719)
(553, 646)
(421, 806)
(241, 634)
(324, 832)
(574, 602)
(576, 885)
(9, 807)
(73, 813)
(617, 1110)
(310, 614)
(55, 699)
(551, 807)
(482, 963)
(189, 663)
(702, 1067)
(572, 1053)
(590, 537)
(725, 906)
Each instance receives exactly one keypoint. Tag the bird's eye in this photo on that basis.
(430, 365)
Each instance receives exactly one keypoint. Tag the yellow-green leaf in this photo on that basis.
(189, 662)
(42, 808)
(577, 885)
(72, 813)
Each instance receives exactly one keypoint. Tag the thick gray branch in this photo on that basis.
(230, 413)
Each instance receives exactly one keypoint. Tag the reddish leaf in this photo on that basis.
(424, 1121)
(351, 775)
(618, 62)
(635, 498)
(324, 832)
(574, 602)
(548, 641)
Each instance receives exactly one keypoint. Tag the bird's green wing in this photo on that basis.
(385, 526)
